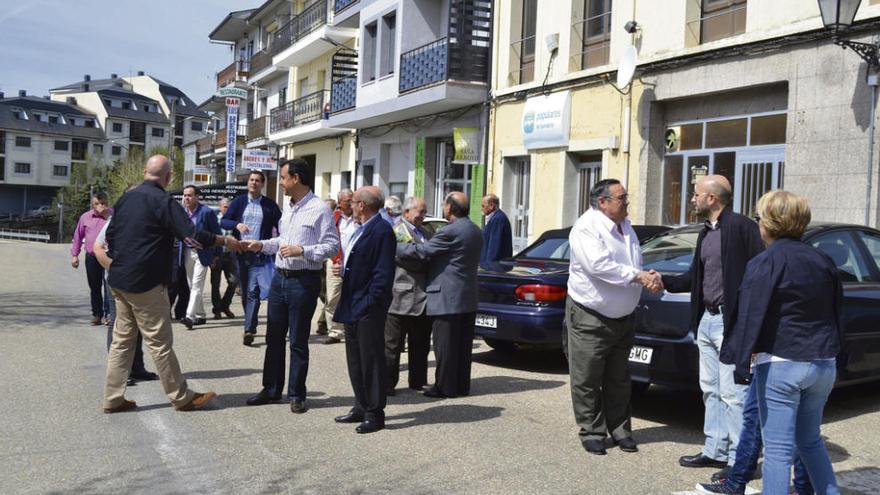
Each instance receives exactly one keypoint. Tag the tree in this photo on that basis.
(85, 179)
(130, 171)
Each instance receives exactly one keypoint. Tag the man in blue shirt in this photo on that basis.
(251, 217)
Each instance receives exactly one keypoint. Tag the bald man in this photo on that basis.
(367, 277)
(453, 256)
(139, 240)
(725, 245)
(497, 237)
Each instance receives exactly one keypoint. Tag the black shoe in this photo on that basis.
(351, 417)
(370, 426)
(200, 321)
(435, 393)
(595, 447)
(130, 382)
(721, 475)
(262, 398)
(229, 314)
(297, 406)
(218, 316)
(248, 338)
(331, 340)
(143, 376)
(188, 323)
(700, 461)
(322, 330)
(627, 444)
(390, 392)
(723, 487)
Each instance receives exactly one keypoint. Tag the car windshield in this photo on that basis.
(670, 253)
(547, 249)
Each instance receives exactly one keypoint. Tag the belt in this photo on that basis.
(715, 310)
(295, 273)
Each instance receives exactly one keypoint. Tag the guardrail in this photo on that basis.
(25, 235)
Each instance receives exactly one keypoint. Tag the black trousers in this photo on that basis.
(453, 347)
(364, 354)
(95, 276)
(416, 331)
(226, 265)
(178, 292)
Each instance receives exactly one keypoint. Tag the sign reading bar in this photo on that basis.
(546, 121)
(467, 144)
(257, 160)
(233, 92)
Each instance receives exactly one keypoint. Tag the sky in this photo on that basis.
(50, 43)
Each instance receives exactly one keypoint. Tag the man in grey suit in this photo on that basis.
(406, 316)
(454, 256)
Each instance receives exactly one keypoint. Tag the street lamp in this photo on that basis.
(838, 15)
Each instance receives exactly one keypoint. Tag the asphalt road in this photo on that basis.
(514, 434)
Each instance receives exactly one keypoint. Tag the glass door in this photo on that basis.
(588, 176)
(522, 212)
(450, 176)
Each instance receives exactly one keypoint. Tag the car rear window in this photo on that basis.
(548, 249)
(671, 253)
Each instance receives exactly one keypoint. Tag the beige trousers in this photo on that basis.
(148, 313)
(334, 290)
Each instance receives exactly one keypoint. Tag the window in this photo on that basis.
(22, 168)
(126, 105)
(2, 168)
(370, 52)
(59, 171)
(53, 119)
(397, 189)
(39, 117)
(594, 34)
(523, 50)
(116, 150)
(137, 132)
(23, 141)
(589, 173)
(89, 123)
(367, 176)
(98, 149)
(872, 242)
(19, 114)
(389, 38)
(117, 127)
(345, 180)
(722, 19)
(839, 246)
(282, 95)
(158, 132)
(62, 145)
(196, 126)
(769, 129)
(200, 177)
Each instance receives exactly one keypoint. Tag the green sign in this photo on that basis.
(233, 92)
(478, 185)
(419, 176)
(467, 144)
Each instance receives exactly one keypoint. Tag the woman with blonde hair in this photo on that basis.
(788, 326)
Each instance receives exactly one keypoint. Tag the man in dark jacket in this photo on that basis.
(251, 217)
(497, 238)
(198, 261)
(725, 245)
(367, 276)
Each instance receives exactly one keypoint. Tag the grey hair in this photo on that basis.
(344, 192)
(224, 201)
(411, 202)
(393, 204)
(601, 190)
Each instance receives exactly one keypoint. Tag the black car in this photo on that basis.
(522, 299)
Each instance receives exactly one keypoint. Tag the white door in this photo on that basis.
(756, 173)
(588, 175)
(522, 211)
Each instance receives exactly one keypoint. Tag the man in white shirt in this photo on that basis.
(604, 285)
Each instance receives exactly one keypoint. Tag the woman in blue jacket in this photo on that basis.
(788, 325)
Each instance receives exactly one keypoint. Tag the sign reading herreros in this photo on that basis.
(467, 145)
(546, 121)
(257, 160)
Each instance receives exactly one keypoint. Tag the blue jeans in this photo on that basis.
(722, 397)
(791, 397)
(250, 290)
(292, 304)
(749, 449)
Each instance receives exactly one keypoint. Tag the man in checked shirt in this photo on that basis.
(307, 237)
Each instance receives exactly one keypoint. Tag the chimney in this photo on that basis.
(85, 88)
(113, 76)
(87, 77)
(140, 72)
(71, 100)
(22, 93)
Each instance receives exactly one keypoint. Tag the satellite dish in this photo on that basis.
(627, 68)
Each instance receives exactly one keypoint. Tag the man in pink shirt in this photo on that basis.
(87, 229)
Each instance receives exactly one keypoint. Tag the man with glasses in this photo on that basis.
(725, 245)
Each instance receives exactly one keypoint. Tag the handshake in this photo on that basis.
(249, 246)
(650, 280)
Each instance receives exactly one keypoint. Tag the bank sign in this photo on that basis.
(546, 121)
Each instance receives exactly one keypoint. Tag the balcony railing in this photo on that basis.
(425, 65)
(220, 139)
(298, 112)
(236, 70)
(344, 76)
(257, 128)
(260, 61)
(301, 25)
(340, 5)
(205, 145)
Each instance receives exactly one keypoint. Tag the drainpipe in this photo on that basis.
(487, 106)
(872, 83)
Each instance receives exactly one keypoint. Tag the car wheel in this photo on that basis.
(500, 345)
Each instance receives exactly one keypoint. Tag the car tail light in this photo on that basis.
(540, 293)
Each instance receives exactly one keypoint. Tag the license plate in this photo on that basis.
(487, 321)
(639, 354)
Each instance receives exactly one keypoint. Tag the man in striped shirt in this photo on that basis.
(307, 236)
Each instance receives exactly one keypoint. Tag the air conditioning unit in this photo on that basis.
(672, 139)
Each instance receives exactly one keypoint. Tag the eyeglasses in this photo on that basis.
(622, 197)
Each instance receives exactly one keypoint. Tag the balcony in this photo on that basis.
(205, 145)
(340, 5)
(344, 77)
(258, 129)
(262, 67)
(220, 137)
(308, 36)
(236, 71)
(302, 119)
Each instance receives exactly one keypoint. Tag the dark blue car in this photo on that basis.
(522, 302)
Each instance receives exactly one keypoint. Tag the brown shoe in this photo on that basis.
(126, 405)
(198, 401)
(96, 321)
